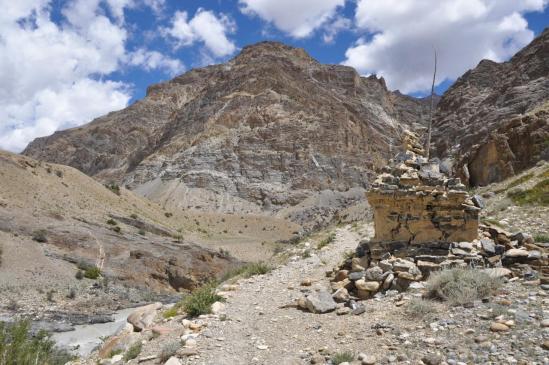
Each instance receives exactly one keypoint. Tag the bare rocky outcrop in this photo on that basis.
(269, 130)
(494, 121)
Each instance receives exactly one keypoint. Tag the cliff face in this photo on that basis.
(494, 121)
(269, 130)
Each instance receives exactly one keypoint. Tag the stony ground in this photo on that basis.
(257, 326)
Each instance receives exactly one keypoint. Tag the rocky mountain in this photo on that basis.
(271, 132)
(494, 121)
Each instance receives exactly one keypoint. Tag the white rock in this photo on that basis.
(173, 361)
(218, 307)
(116, 358)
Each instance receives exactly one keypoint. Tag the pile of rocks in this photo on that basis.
(425, 221)
(498, 252)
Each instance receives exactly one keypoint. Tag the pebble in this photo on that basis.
(368, 360)
(545, 323)
(343, 311)
(262, 347)
(498, 327)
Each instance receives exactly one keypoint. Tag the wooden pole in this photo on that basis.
(428, 144)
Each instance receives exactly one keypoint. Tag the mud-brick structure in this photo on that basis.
(417, 207)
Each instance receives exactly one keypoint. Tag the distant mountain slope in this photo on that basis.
(494, 121)
(268, 130)
(53, 218)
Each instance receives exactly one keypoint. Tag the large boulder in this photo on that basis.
(320, 302)
(143, 317)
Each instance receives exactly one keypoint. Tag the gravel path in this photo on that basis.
(258, 331)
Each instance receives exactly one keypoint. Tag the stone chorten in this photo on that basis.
(417, 206)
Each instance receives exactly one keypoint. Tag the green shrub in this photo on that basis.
(537, 195)
(112, 222)
(19, 347)
(420, 308)
(326, 241)
(133, 216)
(342, 357)
(142, 232)
(520, 180)
(72, 293)
(92, 272)
(133, 351)
(40, 235)
(541, 237)
(117, 229)
(200, 301)
(115, 352)
(113, 187)
(171, 312)
(169, 350)
(248, 270)
(168, 214)
(461, 286)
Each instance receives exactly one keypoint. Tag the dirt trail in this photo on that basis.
(257, 331)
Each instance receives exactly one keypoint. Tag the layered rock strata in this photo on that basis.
(272, 131)
(494, 121)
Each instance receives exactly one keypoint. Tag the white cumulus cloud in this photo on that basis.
(299, 18)
(151, 60)
(405, 33)
(205, 27)
(54, 75)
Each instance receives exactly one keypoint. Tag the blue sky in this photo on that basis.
(69, 61)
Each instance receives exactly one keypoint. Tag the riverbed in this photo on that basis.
(86, 337)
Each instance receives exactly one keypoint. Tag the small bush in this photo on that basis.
(520, 180)
(112, 222)
(168, 214)
(537, 195)
(200, 301)
(59, 173)
(461, 286)
(40, 235)
(92, 272)
(171, 312)
(72, 293)
(113, 187)
(169, 350)
(326, 241)
(117, 229)
(133, 351)
(134, 216)
(541, 237)
(79, 275)
(420, 308)
(1, 252)
(306, 254)
(19, 347)
(49, 295)
(342, 357)
(142, 232)
(248, 270)
(115, 352)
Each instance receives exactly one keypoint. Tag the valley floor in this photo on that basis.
(260, 326)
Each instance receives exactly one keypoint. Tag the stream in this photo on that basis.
(86, 337)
